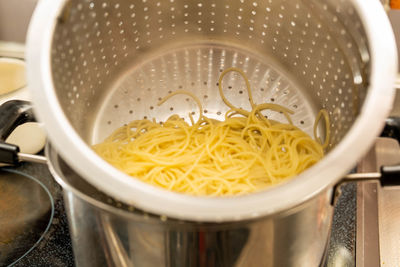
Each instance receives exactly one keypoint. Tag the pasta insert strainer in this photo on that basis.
(104, 64)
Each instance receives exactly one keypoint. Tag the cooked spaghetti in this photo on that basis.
(244, 153)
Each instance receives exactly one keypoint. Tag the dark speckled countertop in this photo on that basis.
(342, 244)
(55, 248)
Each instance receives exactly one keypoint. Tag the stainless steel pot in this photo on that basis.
(106, 232)
(104, 64)
(95, 66)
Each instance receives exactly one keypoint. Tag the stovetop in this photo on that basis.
(347, 235)
(55, 248)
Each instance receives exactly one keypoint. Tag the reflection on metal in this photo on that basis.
(26, 212)
(341, 249)
(389, 232)
(32, 158)
(118, 256)
(367, 241)
(341, 257)
(378, 210)
(388, 153)
(397, 82)
(362, 176)
(107, 233)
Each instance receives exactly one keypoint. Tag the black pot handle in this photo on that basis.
(390, 175)
(392, 128)
(12, 114)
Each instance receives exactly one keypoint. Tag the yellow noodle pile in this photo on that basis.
(244, 153)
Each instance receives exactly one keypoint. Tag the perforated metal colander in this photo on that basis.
(106, 63)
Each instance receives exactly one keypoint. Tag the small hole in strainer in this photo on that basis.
(240, 92)
(169, 91)
(130, 111)
(187, 99)
(217, 84)
(294, 106)
(262, 89)
(108, 122)
(171, 108)
(145, 117)
(192, 83)
(220, 70)
(205, 96)
(193, 112)
(219, 113)
(180, 87)
(229, 87)
(272, 99)
(205, 83)
(115, 106)
(138, 99)
(149, 89)
(301, 122)
(205, 111)
(151, 107)
(159, 99)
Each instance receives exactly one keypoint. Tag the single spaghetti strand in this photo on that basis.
(323, 113)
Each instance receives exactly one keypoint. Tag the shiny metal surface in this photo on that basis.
(26, 212)
(387, 152)
(378, 233)
(105, 232)
(367, 241)
(389, 233)
(196, 68)
(119, 57)
(32, 158)
(103, 64)
(341, 249)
